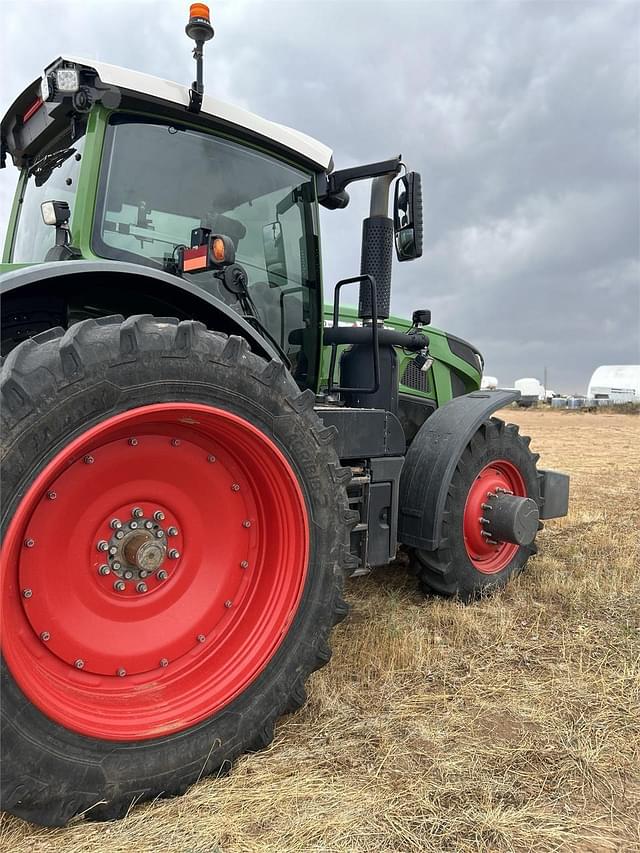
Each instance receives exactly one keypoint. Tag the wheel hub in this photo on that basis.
(137, 548)
(144, 553)
(496, 505)
(510, 518)
(141, 552)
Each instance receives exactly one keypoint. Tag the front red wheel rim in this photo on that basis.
(151, 571)
(485, 553)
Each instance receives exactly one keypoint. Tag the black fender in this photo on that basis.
(126, 288)
(431, 461)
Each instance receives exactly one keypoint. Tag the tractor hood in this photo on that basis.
(47, 106)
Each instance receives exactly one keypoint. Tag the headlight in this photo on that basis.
(67, 80)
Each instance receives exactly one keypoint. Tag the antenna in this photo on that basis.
(200, 30)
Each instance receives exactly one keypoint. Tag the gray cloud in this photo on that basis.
(522, 117)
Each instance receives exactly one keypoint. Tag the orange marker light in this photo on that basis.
(218, 250)
(199, 10)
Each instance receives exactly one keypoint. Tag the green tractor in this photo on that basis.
(195, 451)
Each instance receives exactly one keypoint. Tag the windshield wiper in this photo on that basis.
(43, 167)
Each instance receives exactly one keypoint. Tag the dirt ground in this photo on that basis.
(511, 724)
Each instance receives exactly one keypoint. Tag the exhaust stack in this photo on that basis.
(377, 250)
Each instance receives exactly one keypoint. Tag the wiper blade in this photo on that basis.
(43, 167)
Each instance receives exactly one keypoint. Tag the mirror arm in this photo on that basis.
(332, 187)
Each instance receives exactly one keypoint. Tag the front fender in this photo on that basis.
(431, 461)
(128, 289)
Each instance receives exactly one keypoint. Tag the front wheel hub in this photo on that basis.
(499, 517)
(511, 518)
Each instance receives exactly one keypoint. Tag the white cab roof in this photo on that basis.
(165, 90)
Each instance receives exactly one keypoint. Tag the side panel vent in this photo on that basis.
(415, 378)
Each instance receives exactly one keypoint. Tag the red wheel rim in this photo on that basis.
(487, 555)
(200, 494)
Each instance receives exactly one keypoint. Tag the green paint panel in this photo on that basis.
(438, 384)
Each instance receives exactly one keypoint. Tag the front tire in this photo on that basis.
(175, 526)
(468, 563)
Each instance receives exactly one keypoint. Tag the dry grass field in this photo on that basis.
(509, 725)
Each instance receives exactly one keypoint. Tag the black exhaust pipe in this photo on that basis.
(356, 365)
(377, 250)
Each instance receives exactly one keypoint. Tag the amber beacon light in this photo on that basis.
(200, 30)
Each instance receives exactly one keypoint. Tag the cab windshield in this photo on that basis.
(161, 181)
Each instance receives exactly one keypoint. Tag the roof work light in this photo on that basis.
(67, 80)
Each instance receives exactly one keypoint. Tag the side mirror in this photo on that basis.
(274, 257)
(407, 216)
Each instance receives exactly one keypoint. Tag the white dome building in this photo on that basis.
(617, 383)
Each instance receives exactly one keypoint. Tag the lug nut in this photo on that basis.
(29, 543)
(104, 570)
(172, 531)
(115, 523)
(45, 636)
(136, 512)
(175, 442)
(246, 523)
(211, 458)
(121, 672)
(174, 554)
(235, 487)
(52, 496)
(141, 587)
(133, 525)
(119, 586)
(79, 664)
(228, 603)
(162, 575)
(102, 545)
(27, 593)
(244, 564)
(160, 534)
(158, 515)
(133, 442)
(164, 662)
(88, 460)
(201, 638)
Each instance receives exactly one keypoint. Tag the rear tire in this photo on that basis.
(69, 738)
(458, 567)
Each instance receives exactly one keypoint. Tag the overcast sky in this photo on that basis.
(523, 118)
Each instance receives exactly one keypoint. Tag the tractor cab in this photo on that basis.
(123, 167)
